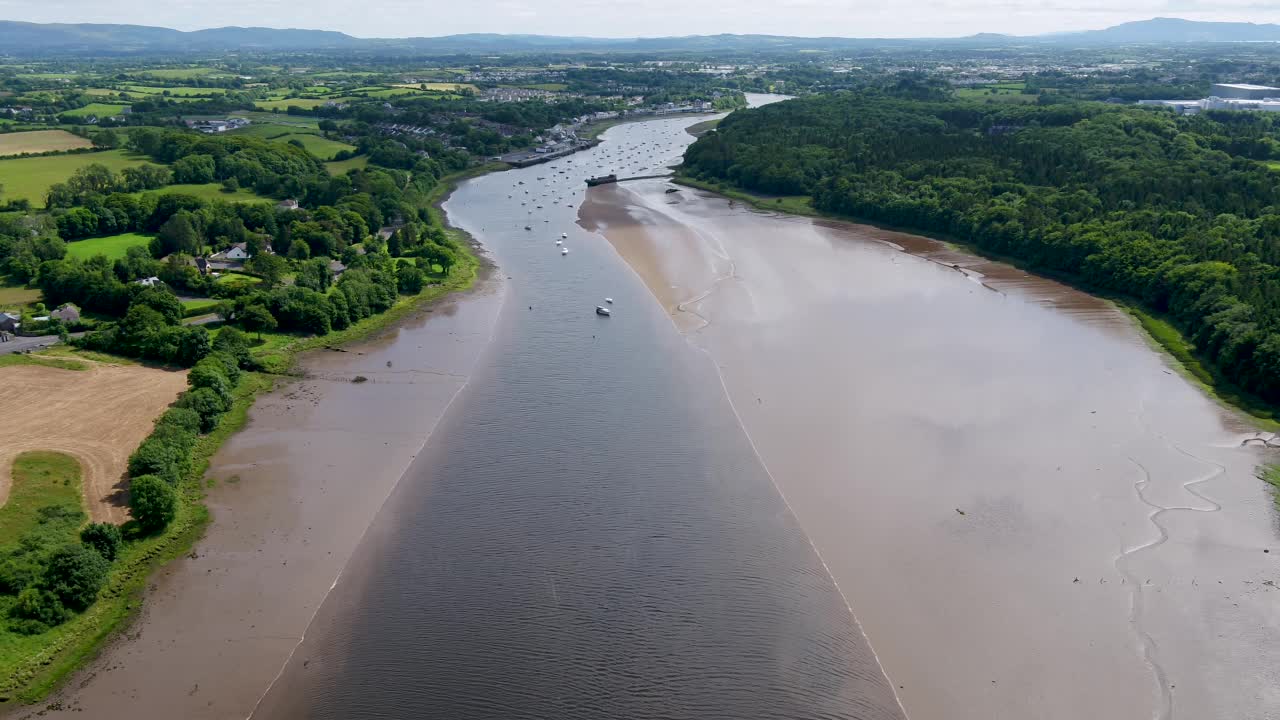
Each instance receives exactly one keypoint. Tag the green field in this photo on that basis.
(233, 278)
(1004, 93)
(14, 297)
(282, 105)
(176, 90)
(272, 129)
(198, 306)
(113, 246)
(211, 191)
(322, 148)
(259, 116)
(38, 141)
(1273, 164)
(449, 86)
(30, 178)
(341, 167)
(40, 479)
(549, 87)
(98, 109)
(182, 73)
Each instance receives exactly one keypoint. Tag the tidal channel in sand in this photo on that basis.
(1031, 512)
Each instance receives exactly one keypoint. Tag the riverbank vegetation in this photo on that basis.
(1175, 213)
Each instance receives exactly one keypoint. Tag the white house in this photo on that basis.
(238, 251)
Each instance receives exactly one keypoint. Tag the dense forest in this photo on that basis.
(1179, 213)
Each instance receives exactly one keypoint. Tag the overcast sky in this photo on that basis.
(647, 18)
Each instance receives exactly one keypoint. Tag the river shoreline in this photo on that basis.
(1156, 328)
(181, 603)
(1140, 526)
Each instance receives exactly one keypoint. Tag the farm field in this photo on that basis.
(271, 129)
(211, 191)
(113, 246)
(30, 178)
(439, 86)
(278, 118)
(340, 167)
(98, 109)
(176, 90)
(322, 148)
(97, 415)
(14, 297)
(38, 141)
(183, 73)
(282, 105)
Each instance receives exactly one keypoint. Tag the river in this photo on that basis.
(820, 439)
(588, 534)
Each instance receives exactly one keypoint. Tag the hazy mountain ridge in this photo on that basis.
(22, 38)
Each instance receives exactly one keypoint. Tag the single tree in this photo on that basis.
(257, 318)
(152, 502)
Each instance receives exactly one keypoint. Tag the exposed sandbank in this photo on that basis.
(1031, 514)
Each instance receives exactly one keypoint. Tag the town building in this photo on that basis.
(1243, 91)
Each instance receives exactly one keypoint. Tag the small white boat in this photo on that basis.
(559, 242)
(526, 227)
(602, 310)
(564, 236)
(609, 300)
(564, 251)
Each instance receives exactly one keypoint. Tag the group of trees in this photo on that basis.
(47, 579)
(370, 285)
(1175, 212)
(151, 327)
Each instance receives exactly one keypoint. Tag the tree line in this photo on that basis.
(1176, 212)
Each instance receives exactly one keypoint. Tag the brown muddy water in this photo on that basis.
(1032, 514)
(587, 533)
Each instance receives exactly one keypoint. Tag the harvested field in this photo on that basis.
(38, 141)
(98, 416)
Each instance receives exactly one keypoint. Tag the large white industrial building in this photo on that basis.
(1227, 96)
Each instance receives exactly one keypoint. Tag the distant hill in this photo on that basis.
(1174, 30)
(26, 39)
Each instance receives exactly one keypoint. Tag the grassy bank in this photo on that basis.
(1159, 331)
(790, 204)
(702, 128)
(30, 672)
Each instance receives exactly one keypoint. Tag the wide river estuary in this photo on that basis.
(805, 470)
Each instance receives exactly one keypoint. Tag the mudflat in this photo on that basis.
(293, 494)
(98, 415)
(1031, 512)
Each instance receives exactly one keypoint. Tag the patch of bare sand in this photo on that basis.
(98, 416)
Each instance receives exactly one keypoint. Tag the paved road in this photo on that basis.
(19, 344)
